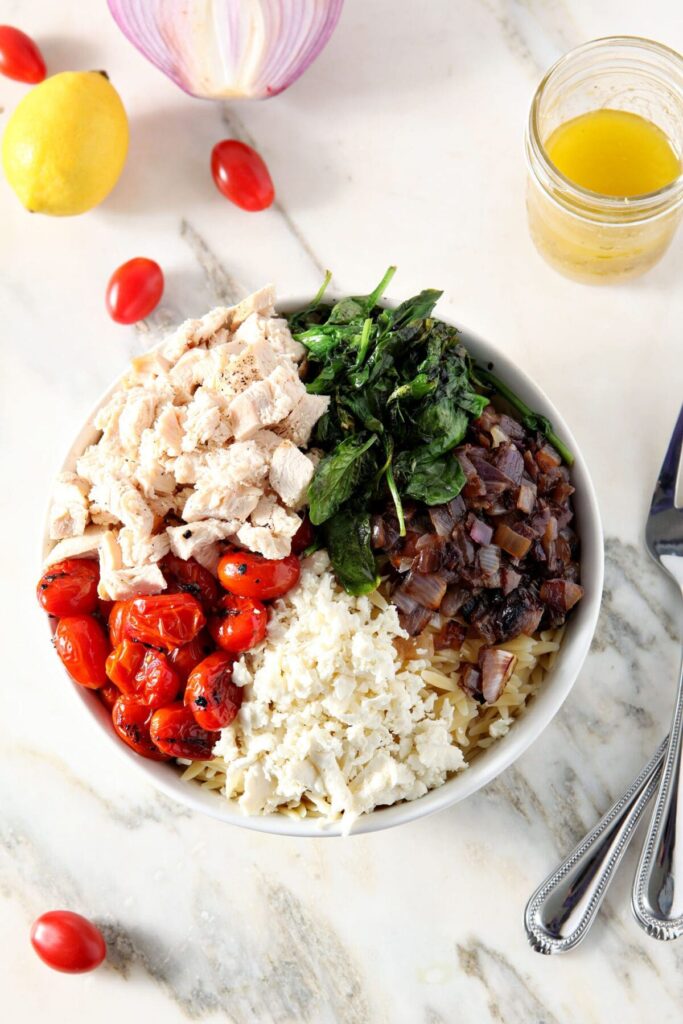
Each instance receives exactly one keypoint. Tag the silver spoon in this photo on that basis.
(562, 909)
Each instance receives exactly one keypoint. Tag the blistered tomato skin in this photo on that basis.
(164, 620)
(240, 624)
(134, 290)
(109, 694)
(68, 942)
(69, 587)
(117, 622)
(185, 658)
(241, 175)
(131, 719)
(175, 732)
(123, 664)
(20, 58)
(249, 575)
(82, 645)
(211, 695)
(186, 576)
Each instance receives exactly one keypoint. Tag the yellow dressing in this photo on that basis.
(614, 153)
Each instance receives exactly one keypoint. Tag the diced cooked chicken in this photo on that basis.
(186, 437)
(265, 403)
(126, 502)
(69, 510)
(205, 421)
(85, 546)
(147, 366)
(136, 416)
(217, 502)
(290, 474)
(199, 540)
(137, 550)
(122, 584)
(262, 301)
(229, 483)
(271, 529)
(255, 362)
(298, 425)
(168, 430)
(281, 340)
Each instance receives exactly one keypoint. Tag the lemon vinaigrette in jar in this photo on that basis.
(604, 144)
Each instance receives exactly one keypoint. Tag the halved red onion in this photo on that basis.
(229, 48)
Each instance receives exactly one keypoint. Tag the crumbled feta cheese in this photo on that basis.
(330, 714)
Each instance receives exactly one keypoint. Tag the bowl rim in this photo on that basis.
(490, 763)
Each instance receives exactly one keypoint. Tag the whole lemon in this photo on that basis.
(66, 143)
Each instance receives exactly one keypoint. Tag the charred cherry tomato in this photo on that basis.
(104, 609)
(211, 695)
(117, 622)
(241, 175)
(176, 733)
(20, 58)
(132, 719)
(69, 587)
(109, 694)
(189, 577)
(123, 664)
(144, 674)
(249, 575)
(240, 624)
(81, 643)
(186, 657)
(304, 536)
(68, 942)
(164, 620)
(134, 290)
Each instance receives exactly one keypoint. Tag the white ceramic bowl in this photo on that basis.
(496, 758)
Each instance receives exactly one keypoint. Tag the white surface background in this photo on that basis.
(403, 143)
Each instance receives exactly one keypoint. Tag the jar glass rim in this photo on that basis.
(672, 192)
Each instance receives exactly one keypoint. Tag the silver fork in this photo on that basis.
(658, 885)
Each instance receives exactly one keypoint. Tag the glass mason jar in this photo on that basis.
(585, 235)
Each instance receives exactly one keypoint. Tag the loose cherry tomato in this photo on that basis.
(134, 290)
(20, 58)
(189, 577)
(69, 587)
(211, 695)
(240, 624)
(304, 536)
(118, 617)
(186, 657)
(241, 175)
(132, 719)
(109, 694)
(81, 643)
(68, 942)
(249, 575)
(175, 732)
(164, 620)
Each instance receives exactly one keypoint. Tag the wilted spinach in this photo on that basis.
(403, 392)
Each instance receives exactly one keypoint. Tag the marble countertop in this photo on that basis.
(403, 144)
